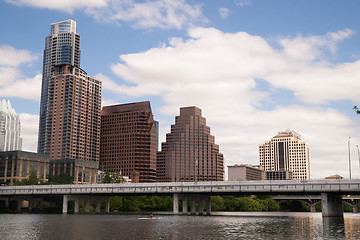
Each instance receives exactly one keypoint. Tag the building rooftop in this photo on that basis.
(6, 107)
(128, 107)
(288, 133)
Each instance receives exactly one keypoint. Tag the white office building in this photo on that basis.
(9, 128)
(286, 152)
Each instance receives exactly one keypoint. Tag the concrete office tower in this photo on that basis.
(69, 126)
(10, 128)
(128, 141)
(190, 153)
(286, 152)
(245, 172)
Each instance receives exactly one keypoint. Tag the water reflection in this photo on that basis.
(32, 226)
(333, 227)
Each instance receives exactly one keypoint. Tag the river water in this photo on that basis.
(220, 226)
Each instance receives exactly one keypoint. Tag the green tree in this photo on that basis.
(31, 180)
(62, 178)
(217, 203)
(254, 205)
(356, 109)
(113, 177)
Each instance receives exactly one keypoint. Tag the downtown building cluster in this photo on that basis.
(79, 138)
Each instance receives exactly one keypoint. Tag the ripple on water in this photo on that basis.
(82, 226)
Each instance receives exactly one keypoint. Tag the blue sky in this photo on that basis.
(255, 67)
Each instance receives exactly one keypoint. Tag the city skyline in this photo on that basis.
(253, 67)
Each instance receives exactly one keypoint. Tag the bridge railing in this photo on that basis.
(233, 187)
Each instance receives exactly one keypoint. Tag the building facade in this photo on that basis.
(286, 152)
(129, 141)
(190, 153)
(10, 128)
(18, 165)
(81, 171)
(279, 175)
(69, 126)
(245, 172)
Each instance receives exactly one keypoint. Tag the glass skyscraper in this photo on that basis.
(69, 126)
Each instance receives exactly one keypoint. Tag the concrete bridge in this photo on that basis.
(331, 192)
(313, 200)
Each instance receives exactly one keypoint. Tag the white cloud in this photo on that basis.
(217, 72)
(108, 102)
(10, 56)
(242, 3)
(29, 131)
(310, 48)
(27, 88)
(13, 83)
(224, 12)
(62, 5)
(163, 14)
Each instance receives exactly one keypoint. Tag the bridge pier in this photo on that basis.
(176, 203)
(107, 205)
(76, 205)
(65, 204)
(208, 206)
(87, 205)
(201, 207)
(98, 202)
(193, 198)
(332, 205)
(87, 200)
(312, 208)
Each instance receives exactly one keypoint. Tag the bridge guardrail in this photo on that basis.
(247, 187)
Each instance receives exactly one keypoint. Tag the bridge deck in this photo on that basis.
(211, 188)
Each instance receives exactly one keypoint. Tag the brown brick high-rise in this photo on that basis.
(128, 140)
(73, 112)
(189, 143)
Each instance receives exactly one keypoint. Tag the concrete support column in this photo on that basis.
(208, 206)
(176, 203)
(193, 207)
(332, 205)
(18, 205)
(30, 206)
(107, 207)
(87, 205)
(7, 202)
(65, 204)
(76, 205)
(312, 208)
(98, 202)
(184, 205)
(41, 204)
(201, 207)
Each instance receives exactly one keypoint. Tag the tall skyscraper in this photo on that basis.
(190, 153)
(128, 141)
(286, 152)
(10, 128)
(69, 126)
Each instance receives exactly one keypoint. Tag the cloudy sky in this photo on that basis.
(255, 67)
